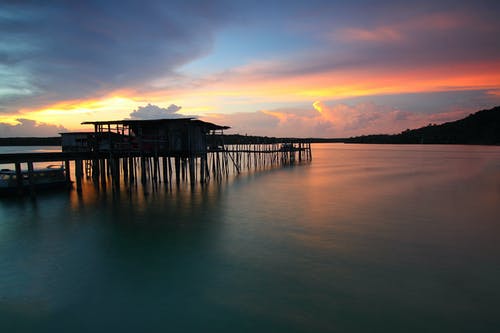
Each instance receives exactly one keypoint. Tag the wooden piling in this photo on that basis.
(192, 170)
(131, 167)
(19, 178)
(143, 170)
(177, 169)
(31, 180)
(102, 169)
(78, 174)
(67, 171)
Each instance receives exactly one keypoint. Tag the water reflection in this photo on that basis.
(364, 238)
(150, 203)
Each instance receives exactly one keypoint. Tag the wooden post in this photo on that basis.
(125, 169)
(131, 167)
(95, 171)
(78, 175)
(192, 170)
(143, 170)
(203, 161)
(183, 168)
(19, 178)
(116, 171)
(164, 169)
(169, 161)
(31, 180)
(103, 172)
(67, 170)
(177, 170)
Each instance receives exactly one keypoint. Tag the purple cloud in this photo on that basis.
(30, 128)
(76, 49)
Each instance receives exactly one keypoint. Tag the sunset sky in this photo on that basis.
(276, 68)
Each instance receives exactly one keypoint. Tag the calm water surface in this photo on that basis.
(366, 238)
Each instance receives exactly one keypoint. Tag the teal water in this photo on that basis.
(365, 238)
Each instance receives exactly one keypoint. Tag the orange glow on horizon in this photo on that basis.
(348, 83)
(252, 89)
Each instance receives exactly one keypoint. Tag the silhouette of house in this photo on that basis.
(184, 137)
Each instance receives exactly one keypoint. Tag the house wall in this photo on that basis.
(173, 138)
(74, 142)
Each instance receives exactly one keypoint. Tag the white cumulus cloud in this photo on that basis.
(151, 111)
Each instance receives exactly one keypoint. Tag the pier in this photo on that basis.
(169, 151)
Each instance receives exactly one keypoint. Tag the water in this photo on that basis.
(28, 149)
(366, 238)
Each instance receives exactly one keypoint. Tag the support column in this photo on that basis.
(67, 172)
(116, 171)
(31, 180)
(165, 169)
(192, 171)
(102, 168)
(203, 160)
(131, 168)
(125, 169)
(143, 170)
(95, 171)
(19, 179)
(79, 175)
(177, 170)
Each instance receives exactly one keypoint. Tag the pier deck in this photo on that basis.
(167, 166)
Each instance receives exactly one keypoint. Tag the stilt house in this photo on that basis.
(183, 137)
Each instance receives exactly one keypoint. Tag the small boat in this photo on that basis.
(52, 176)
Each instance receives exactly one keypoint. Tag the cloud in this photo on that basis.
(30, 128)
(394, 37)
(155, 112)
(337, 120)
(403, 31)
(75, 49)
(379, 34)
(294, 52)
(257, 122)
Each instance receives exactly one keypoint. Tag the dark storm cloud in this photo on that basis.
(69, 49)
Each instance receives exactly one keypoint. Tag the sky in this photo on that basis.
(277, 68)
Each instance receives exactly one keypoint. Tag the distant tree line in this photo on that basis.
(28, 141)
(480, 128)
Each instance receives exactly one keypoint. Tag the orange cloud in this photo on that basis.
(318, 106)
(282, 116)
(337, 120)
(239, 93)
(380, 34)
(338, 84)
(70, 113)
(399, 31)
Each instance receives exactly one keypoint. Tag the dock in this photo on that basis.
(169, 151)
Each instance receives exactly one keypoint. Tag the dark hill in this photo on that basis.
(480, 128)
